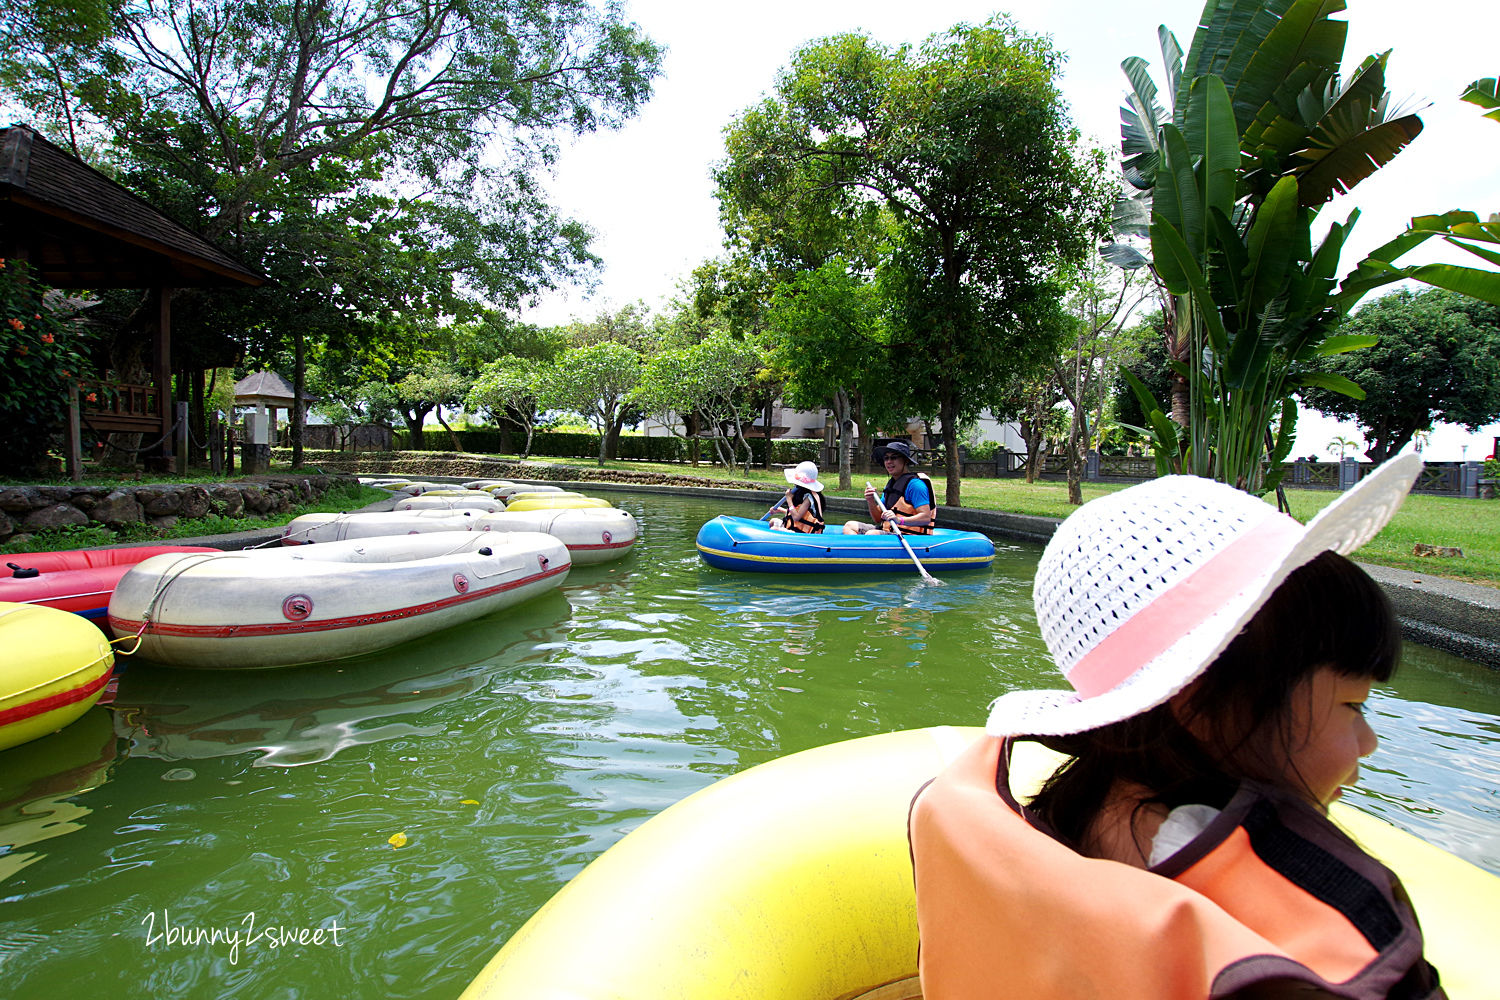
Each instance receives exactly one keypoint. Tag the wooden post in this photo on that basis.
(75, 437)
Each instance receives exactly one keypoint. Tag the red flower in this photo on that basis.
(91, 398)
(23, 350)
(47, 338)
(17, 325)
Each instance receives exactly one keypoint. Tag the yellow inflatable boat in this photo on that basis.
(792, 881)
(56, 666)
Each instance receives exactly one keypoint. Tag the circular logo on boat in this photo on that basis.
(607, 537)
(543, 561)
(460, 583)
(296, 608)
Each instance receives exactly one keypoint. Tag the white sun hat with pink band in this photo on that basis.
(804, 475)
(1139, 591)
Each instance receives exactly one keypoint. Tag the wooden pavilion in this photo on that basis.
(76, 228)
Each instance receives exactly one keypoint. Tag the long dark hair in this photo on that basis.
(1326, 613)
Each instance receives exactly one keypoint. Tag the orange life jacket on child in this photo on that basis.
(810, 523)
(1270, 891)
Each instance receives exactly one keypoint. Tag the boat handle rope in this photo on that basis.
(184, 562)
(139, 637)
(279, 539)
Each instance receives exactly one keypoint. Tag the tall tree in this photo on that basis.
(1263, 127)
(965, 142)
(274, 88)
(827, 325)
(1099, 306)
(302, 131)
(715, 378)
(1437, 358)
(596, 381)
(509, 388)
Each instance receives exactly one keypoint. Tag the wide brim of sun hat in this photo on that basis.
(1143, 644)
(791, 477)
(891, 447)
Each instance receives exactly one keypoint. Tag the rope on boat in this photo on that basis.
(181, 565)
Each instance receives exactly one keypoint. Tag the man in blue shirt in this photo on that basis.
(910, 501)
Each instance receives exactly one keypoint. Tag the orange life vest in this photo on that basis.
(811, 523)
(895, 499)
(1270, 891)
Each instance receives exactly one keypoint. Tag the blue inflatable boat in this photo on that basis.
(742, 544)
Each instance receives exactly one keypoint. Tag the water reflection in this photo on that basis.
(306, 715)
(1436, 772)
(40, 781)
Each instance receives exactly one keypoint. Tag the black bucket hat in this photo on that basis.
(895, 447)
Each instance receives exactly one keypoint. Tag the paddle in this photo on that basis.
(927, 577)
(768, 513)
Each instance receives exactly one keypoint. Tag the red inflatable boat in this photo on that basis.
(80, 581)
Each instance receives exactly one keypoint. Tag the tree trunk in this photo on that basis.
(413, 418)
(612, 438)
(526, 452)
(299, 390)
(1077, 455)
(1179, 348)
(452, 437)
(197, 420)
(843, 419)
(692, 426)
(769, 401)
(948, 416)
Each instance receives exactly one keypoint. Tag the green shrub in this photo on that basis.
(43, 357)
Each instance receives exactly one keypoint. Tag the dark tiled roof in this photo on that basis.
(267, 387)
(80, 229)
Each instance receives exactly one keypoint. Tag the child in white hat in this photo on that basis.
(1219, 655)
(803, 510)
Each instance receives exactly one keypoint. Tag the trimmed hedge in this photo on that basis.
(633, 447)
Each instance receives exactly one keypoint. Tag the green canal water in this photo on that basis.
(511, 751)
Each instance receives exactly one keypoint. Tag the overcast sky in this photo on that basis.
(646, 189)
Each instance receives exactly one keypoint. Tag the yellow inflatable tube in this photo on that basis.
(553, 501)
(56, 666)
(792, 881)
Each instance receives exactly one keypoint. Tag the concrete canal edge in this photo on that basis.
(1456, 617)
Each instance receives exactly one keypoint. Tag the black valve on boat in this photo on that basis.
(23, 573)
(486, 551)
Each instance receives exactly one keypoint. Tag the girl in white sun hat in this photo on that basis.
(803, 509)
(1219, 655)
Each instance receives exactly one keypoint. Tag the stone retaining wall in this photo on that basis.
(28, 509)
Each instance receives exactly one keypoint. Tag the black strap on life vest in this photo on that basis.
(895, 499)
(812, 521)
